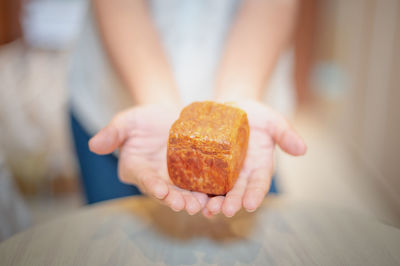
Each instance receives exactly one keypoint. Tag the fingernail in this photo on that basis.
(229, 215)
(207, 214)
(175, 209)
(296, 143)
(229, 211)
(160, 192)
(191, 213)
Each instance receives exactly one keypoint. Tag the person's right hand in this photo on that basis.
(141, 134)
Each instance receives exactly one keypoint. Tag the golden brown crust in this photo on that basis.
(207, 146)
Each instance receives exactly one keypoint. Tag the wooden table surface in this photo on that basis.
(139, 231)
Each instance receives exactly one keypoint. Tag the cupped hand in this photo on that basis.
(141, 135)
(267, 128)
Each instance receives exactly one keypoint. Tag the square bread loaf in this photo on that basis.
(207, 146)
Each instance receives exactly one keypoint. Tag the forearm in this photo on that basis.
(261, 31)
(134, 49)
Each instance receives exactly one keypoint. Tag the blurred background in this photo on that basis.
(346, 75)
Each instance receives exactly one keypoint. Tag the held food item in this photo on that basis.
(207, 146)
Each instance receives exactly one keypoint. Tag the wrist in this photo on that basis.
(238, 89)
(155, 93)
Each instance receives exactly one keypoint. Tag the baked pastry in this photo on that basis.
(207, 146)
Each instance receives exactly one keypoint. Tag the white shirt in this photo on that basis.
(192, 33)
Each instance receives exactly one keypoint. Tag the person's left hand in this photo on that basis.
(267, 128)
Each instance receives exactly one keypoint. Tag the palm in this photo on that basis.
(146, 144)
(261, 145)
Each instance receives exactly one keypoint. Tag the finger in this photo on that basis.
(202, 198)
(257, 187)
(192, 205)
(174, 199)
(143, 176)
(155, 186)
(286, 137)
(113, 135)
(214, 204)
(206, 213)
(233, 199)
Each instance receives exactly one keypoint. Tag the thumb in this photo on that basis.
(111, 137)
(286, 137)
